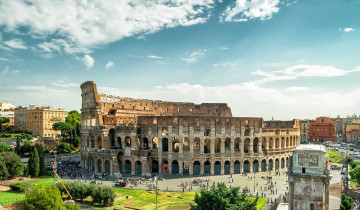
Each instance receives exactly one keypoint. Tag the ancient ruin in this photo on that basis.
(144, 137)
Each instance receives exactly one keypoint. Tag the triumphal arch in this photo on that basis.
(145, 137)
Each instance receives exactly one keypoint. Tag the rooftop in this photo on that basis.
(310, 147)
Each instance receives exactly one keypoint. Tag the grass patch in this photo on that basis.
(21, 186)
(9, 197)
(335, 157)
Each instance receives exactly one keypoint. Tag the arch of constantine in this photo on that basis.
(144, 137)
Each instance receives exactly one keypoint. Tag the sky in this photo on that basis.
(264, 58)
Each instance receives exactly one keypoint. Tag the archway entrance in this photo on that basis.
(138, 168)
(155, 166)
(196, 168)
(175, 167)
(282, 163)
(263, 165)
(127, 167)
(186, 168)
(99, 166)
(271, 164)
(107, 167)
(227, 167)
(255, 166)
(207, 167)
(246, 166)
(165, 145)
(217, 168)
(237, 167)
(276, 164)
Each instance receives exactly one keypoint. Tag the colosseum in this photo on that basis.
(145, 137)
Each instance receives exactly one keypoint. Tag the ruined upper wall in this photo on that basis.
(282, 124)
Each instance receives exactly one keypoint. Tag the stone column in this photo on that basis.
(181, 167)
(242, 147)
(212, 167)
(103, 141)
(231, 167)
(191, 146)
(202, 146)
(170, 145)
(133, 168)
(251, 143)
(232, 146)
(251, 166)
(191, 164)
(222, 146)
(260, 146)
(327, 194)
(222, 167)
(181, 147)
(212, 146)
(111, 166)
(201, 168)
(160, 164)
(102, 165)
(241, 166)
(170, 166)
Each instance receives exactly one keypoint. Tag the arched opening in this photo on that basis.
(263, 165)
(118, 139)
(247, 132)
(175, 167)
(227, 144)
(196, 168)
(127, 167)
(217, 145)
(291, 142)
(277, 164)
(287, 141)
(282, 163)
(271, 143)
(98, 142)
(256, 145)
(207, 145)
(92, 142)
(127, 141)
(246, 145)
(146, 143)
(92, 165)
(217, 168)
(164, 132)
(277, 143)
(155, 142)
(119, 158)
(246, 166)
(186, 168)
(237, 144)
(138, 168)
(137, 143)
(255, 166)
(207, 167)
(237, 167)
(139, 131)
(196, 145)
(175, 145)
(107, 167)
(112, 137)
(165, 147)
(282, 142)
(287, 162)
(263, 144)
(155, 166)
(271, 164)
(227, 167)
(99, 166)
(186, 145)
(165, 167)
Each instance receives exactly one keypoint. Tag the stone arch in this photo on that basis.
(237, 167)
(246, 166)
(92, 142)
(207, 146)
(282, 142)
(119, 158)
(256, 145)
(287, 162)
(139, 131)
(263, 165)
(227, 167)
(277, 143)
(99, 142)
(196, 168)
(107, 166)
(165, 144)
(119, 143)
(227, 144)
(207, 167)
(165, 167)
(99, 166)
(277, 164)
(127, 167)
(237, 144)
(282, 163)
(186, 167)
(145, 143)
(255, 165)
(196, 144)
(287, 142)
(217, 168)
(175, 167)
(271, 164)
(175, 144)
(155, 166)
(93, 164)
(291, 141)
(247, 132)
(246, 145)
(164, 132)
(263, 144)
(138, 168)
(186, 144)
(127, 141)
(217, 145)
(112, 134)
(271, 143)
(155, 143)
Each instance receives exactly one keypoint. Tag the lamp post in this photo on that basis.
(156, 181)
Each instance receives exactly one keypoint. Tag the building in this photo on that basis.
(39, 120)
(304, 130)
(145, 137)
(7, 106)
(322, 130)
(309, 178)
(353, 135)
(7, 111)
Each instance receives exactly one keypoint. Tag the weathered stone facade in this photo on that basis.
(141, 137)
(309, 178)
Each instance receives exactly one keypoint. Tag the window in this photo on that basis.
(312, 206)
(303, 170)
(133, 107)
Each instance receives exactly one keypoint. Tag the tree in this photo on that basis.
(63, 148)
(17, 149)
(74, 118)
(222, 198)
(2, 121)
(4, 173)
(346, 203)
(13, 163)
(4, 147)
(40, 150)
(64, 127)
(26, 148)
(355, 174)
(34, 167)
(7, 128)
(43, 198)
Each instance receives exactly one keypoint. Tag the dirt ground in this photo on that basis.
(4, 188)
(335, 189)
(19, 206)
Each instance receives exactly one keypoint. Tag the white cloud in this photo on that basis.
(64, 84)
(16, 43)
(301, 71)
(49, 46)
(81, 26)
(243, 10)
(349, 29)
(88, 61)
(109, 64)
(7, 70)
(154, 57)
(3, 59)
(136, 56)
(224, 48)
(229, 65)
(194, 56)
(297, 88)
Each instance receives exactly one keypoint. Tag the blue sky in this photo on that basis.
(287, 59)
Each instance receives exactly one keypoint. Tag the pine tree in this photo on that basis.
(17, 150)
(34, 166)
(41, 159)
